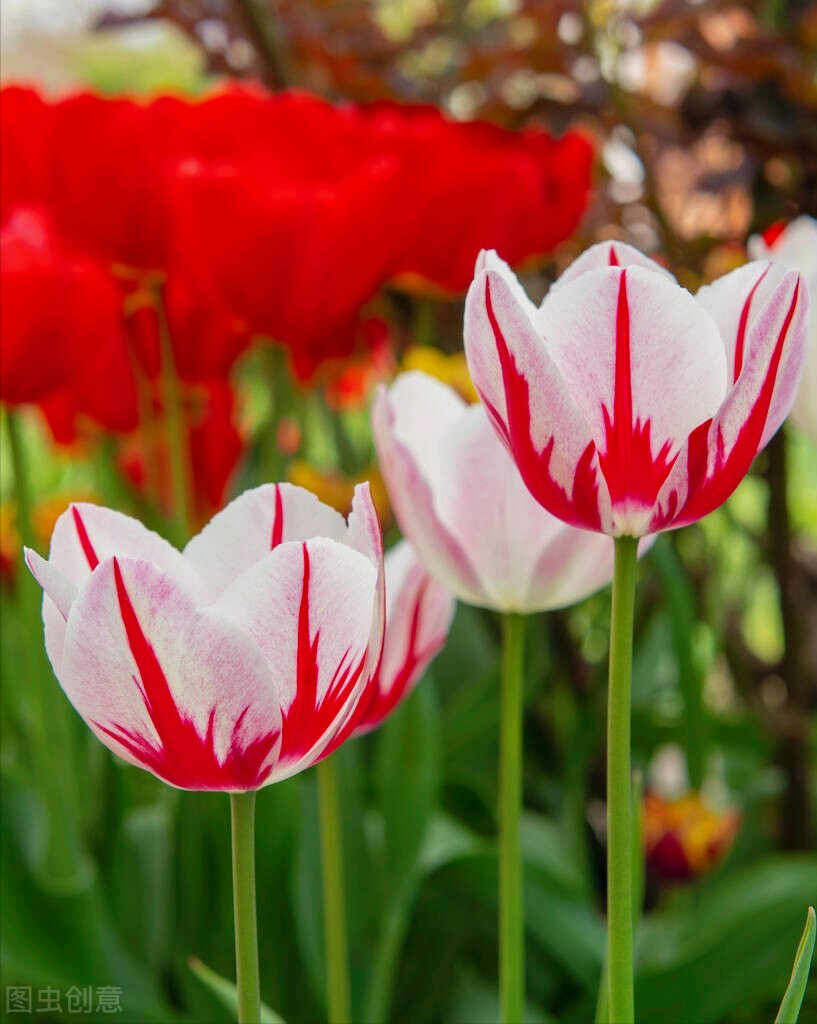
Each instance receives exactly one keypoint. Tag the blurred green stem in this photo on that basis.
(334, 901)
(511, 918)
(65, 869)
(619, 812)
(178, 440)
(242, 806)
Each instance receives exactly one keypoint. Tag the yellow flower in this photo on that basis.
(336, 490)
(451, 369)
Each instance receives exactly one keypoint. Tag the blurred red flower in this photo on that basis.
(467, 186)
(63, 344)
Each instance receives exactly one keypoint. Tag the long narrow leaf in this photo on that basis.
(225, 991)
(793, 999)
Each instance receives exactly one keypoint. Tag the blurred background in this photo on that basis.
(701, 119)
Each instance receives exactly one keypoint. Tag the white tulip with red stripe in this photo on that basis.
(234, 664)
(418, 616)
(628, 405)
(795, 247)
(459, 499)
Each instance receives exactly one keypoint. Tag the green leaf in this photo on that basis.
(225, 991)
(701, 963)
(793, 999)
(408, 771)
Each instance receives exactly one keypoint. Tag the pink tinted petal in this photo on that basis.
(645, 365)
(407, 422)
(58, 596)
(418, 616)
(177, 690)
(607, 254)
(252, 525)
(312, 609)
(719, 453)
(59, 588)
(530, 406)
(363, 532)
(86, 534)
(732, 301)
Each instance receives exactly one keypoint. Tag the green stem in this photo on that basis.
(246, 928)
(334, 902)
(65, 868)
(511, 920)
(619, 826)
(178, 440)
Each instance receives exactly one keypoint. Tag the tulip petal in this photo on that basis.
(407, 421)
(178, 690)
(419, 614)
(311, 607)
(731, 301)
(625, 340)
(720, 452)
(607, 254)
(252, 525)
(87, 534)
(529, 405)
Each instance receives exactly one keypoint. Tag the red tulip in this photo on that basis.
(62, 340)
(471, 186)
(628, 405)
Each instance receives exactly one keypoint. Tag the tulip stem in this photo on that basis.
(619, 802)
(246, 928)
(334, 902)
(511, 919)
(178, 435)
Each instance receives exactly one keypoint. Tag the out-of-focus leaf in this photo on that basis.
(699, 963)
(793, 999)
(476, 1002)
(64, 941)
(408, 761)
(225, 991)
(142, 879)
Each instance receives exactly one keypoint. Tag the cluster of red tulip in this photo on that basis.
(209, 223)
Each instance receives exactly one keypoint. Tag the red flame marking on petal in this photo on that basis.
(182, 757)
(278, 522)
(744, 320)
(582, 508)
(84, 539)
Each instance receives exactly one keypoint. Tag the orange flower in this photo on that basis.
(685, 838)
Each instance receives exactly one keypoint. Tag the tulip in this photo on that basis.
(63, 343)
(795, 246)
(418, 616)
(459, 499)
(685, 838)
(628, 405)
(231, 665)
(631, 407)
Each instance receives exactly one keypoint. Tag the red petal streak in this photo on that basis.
(632, 473)
(582, 507)
(278, 522)
(707, 489)
(613, 260)
(84, 540)
(307, 720)
(382, 704)
(740, 340)
(182, 756)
